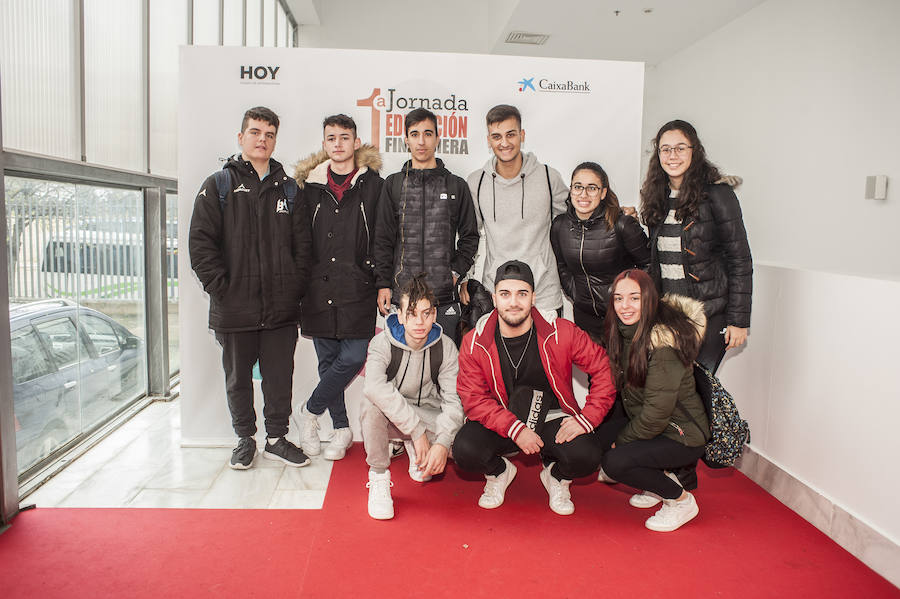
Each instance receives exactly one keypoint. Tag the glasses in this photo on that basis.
(679, 150)
(592, 190)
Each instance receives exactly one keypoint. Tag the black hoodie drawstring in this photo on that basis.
(494, 193)
(522, 177)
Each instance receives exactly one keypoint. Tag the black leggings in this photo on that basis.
(478, 449)
(641, 464)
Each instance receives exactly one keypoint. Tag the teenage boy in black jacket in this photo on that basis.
(340, 186)
(250, 247)
(422, 211)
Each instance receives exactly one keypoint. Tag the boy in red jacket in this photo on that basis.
(515, 383)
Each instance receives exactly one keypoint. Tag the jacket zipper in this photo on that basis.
(366, 223)
(584, 270)
(316, 213)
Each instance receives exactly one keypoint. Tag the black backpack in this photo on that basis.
(435, 355)
(728, 431)
(224, 181)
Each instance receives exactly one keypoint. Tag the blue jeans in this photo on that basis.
(339, 362)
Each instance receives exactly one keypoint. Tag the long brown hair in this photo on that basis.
(655, 191)
(611, 201)
(653, 312)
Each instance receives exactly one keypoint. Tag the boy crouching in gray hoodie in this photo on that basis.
(410, 386)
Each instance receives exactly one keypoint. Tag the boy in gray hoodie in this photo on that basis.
(516, 198)
(410, 385)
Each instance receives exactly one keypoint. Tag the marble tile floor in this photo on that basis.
(142, 464)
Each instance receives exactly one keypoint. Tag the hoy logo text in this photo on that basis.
(259, 73)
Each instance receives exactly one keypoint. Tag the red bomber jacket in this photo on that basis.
(560, 343)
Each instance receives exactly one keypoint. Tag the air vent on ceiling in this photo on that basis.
(521, 37)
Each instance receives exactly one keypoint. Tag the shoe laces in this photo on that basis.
(494, 486)
(381, 488)
(559, 491)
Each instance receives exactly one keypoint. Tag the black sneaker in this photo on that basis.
(243, 454)
(285, 451)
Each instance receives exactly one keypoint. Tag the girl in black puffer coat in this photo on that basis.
(697, 239)
(593, 242)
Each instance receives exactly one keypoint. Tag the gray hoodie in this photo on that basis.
(514, 217)
(417, 405)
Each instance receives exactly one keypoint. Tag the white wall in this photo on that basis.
(800, 98)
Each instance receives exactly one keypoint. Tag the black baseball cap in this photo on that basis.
(515, 270)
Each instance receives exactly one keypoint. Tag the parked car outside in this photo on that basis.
(72, 367)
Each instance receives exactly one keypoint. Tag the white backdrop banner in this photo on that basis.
(572, 111)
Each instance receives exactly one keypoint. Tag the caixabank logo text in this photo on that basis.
(545, 84)
(389, 112)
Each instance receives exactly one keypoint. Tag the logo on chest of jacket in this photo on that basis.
(240, 188)
(281, 207)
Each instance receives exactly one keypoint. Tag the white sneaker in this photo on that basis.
(341, 440)
(309, 432)
(644, 500)
(381, 506)
(673, 514)
(648, 499)
(415, 472)
(603, 477)
(560, 497)
(495, 487)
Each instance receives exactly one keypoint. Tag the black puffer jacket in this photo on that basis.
(717, 262)
(589, 256)
(252, 255)
(420, 213)
(340, 301)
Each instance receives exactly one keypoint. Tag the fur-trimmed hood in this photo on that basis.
(314, 168)
(662, 336)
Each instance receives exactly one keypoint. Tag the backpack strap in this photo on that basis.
(394, 364)
(223, 185)
(290, 192)
(436, 354)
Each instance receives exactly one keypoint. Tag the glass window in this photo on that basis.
(172, 267)
(65, 345)
(206, 22)
(103, 337)
(269, 23)
(254, 16)
(168, 30)
(76, 274)
(40, 67)
(234, 22)
(28, 358)
(114, 83)
(280, 24)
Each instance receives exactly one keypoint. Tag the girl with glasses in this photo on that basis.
(593, 241)
(698, 244)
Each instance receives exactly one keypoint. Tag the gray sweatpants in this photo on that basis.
(377, 431)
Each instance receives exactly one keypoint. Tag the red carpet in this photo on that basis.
(440, 544)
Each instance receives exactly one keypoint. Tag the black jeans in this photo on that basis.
(274, 348)
(478, 449)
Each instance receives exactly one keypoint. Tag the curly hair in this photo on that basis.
(653, 312)
(416, 290)
(655, 191)
(611, 201)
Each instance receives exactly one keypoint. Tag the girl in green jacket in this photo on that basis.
(661, 425)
